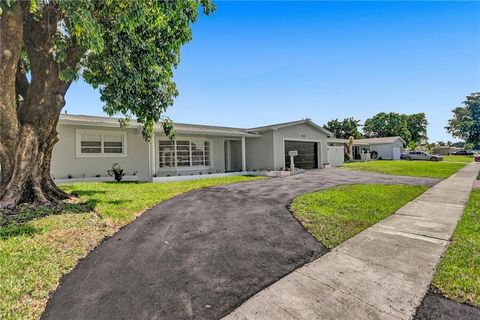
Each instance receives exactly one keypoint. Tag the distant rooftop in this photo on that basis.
(380, 140)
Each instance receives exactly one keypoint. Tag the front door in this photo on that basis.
(307, 154)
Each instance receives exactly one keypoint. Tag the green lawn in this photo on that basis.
(441, 169)
(334, 215)
(458, 274)
(35, 254)
(458, 158)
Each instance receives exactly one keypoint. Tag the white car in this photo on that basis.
(420, 155)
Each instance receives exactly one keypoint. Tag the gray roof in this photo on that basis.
(185, 127)
(380, 140)
(289, 124)
(179, 127)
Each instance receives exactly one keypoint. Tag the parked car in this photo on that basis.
(477, 158)
(420, 155)
(462, 153)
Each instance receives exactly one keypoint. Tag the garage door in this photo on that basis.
(307, 154)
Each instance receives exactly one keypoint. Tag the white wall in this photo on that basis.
(65, 161)
(259, 152)
(303, 132)
(236, 155)
(336, 156)
(385, 151)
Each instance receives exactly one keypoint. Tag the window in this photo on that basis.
(167, 154)
(100, 144)
(184, 153)
(91, 143)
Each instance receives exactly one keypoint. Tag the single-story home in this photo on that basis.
(386, 148)
(445, 150)
(89, 145)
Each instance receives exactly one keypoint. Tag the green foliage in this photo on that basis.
(458, 273)
(465, 123)
(344, 129)
(337, 214)
(412, 145)
(417, 126)
(409, 127)
(128, 50)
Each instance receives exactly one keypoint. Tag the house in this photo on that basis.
(89, 145)
(386, 148)
(445, 150)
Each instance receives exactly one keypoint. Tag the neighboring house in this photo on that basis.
(445, 150)
(387, 148)
(89, 145)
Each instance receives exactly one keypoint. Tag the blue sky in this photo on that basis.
(255, 63)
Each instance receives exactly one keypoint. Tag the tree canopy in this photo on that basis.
(126, 49)
(344, 129)
(409, 127)
(465, 123)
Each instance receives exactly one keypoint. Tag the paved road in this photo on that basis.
(381, 273)
(201, 254)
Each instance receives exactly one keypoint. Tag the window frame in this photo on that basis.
(102, 134)
(190, 139)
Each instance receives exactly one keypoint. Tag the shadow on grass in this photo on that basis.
(117, 202)
(11, 231)
(78, 193)
(13, 222)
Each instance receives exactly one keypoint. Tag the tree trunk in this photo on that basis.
(30, 179)
(29, 111)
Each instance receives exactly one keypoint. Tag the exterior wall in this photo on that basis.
(236, 155)
(336, 155)
(259, 152)
(65, 161)
(385, 151)
(303, 132)
(217, 160)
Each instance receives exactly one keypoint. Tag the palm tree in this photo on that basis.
(351, 140)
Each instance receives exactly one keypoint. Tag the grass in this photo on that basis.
(430, 169)
(35, 254)
(458, 158)
(337, 214)
(458, 274)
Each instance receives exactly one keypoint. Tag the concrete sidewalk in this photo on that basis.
(381, 273)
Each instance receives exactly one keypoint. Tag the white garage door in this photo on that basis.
(396, 153)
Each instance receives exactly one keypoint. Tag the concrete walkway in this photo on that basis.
(382, 273)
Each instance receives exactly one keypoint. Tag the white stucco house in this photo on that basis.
(386, 148)
(89, 145)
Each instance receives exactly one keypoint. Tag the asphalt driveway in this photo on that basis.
(201, 254)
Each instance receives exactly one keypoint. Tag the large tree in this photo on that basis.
(410, 127)
(417, 126)
(344, 129)
(127, 49)
(465, 123)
